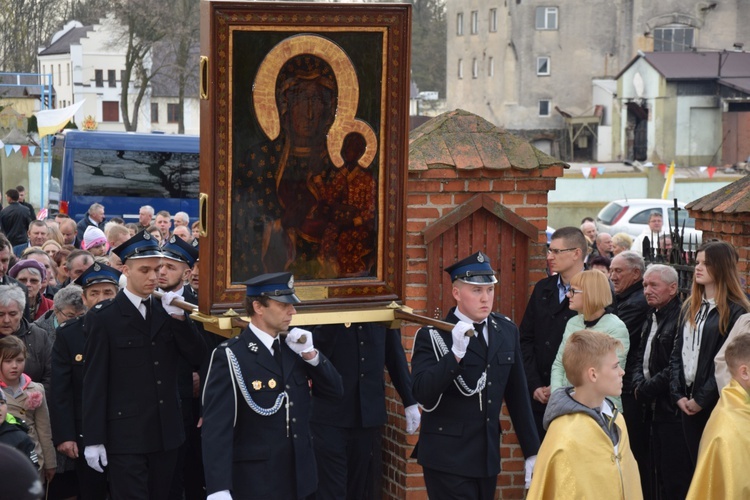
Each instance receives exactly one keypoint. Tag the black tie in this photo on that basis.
(479, 328)
(277, 351)
(147, 304)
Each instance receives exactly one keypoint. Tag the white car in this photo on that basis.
(631, 217)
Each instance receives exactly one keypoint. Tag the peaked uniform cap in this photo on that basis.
(276, 286)
(474, 269)
(98, 273)
(140, 246)
(178, 249)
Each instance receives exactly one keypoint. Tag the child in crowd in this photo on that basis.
(586, 452)
(723, 458)
(26, 401)
(15, 433)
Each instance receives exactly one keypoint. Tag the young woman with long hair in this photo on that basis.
(716, 301)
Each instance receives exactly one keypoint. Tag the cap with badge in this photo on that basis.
(98, 273)
(140, 246)
(276, 286)
(180, 250)
(474, 269)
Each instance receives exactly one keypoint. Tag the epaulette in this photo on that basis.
(71, 322)
(230, 342)
(102, 305)
(501, 316)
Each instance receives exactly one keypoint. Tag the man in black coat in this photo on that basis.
(131, 410)
(461, 382)
(626, 274)
(256, 401)
(99, 283)
(15, 219)
(546, 315)
(671, 461)
(22, 200)
(347, 433)
(94, 217)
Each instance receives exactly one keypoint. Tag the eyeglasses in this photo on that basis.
(573, 291)
(69, 315)
(557, 251)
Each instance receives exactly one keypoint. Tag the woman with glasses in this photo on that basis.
(589, 295)
(716, 301)
(68, 304)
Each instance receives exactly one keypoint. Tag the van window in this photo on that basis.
(140, 174)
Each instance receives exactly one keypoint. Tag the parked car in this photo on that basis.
(631, 217)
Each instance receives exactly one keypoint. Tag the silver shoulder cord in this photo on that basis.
(263, 412)
(440, 349)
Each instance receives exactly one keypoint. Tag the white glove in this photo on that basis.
(460, 340)
(220, 495)
(293, 337)
(413, 417)
(529, 466)
(167, 299)
(94, 455)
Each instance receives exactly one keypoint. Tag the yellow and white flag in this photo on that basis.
(49, 121)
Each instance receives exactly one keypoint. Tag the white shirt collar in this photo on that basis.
(264, 337)
(134, 299)
(461, 316)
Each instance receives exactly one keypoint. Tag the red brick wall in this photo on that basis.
(432, 194)
(732, 228)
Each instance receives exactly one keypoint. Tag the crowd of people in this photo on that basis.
(612, 381)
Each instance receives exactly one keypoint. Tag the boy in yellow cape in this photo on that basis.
(586, 452)
(723, 458)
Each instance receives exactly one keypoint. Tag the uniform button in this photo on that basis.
(158, 382)
(489, 401)
(546, 343)
(488, 420)
(361, 343)
(440, 428)
(359, 327)
(119, 413)
(153, 343)
(294, 419)
(509, 358)
(295, 436)
(361, 359)
(156, 363)
(291, 403)
(161, 401)
(489, 383)
(362, 375)
(287, 386)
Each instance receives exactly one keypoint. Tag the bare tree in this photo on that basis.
(27, 24)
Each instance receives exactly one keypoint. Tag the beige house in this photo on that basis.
(515, 63)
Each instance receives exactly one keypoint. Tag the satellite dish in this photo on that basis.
(638, 85)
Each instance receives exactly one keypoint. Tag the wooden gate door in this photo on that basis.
(480, 224)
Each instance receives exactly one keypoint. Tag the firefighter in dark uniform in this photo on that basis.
(461, 382)
(179, 259)
(131, 409)
(256, 401)
(99, 283)
(348, 433)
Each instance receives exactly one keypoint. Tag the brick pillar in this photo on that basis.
(733, 228)
(432, 194)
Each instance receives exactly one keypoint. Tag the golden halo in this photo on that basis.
(264, 93)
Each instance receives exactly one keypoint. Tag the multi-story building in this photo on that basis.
(86, 62)
(516, 62)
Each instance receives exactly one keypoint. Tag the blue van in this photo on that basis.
(124, 171)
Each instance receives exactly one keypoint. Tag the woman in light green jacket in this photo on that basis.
(589, 295)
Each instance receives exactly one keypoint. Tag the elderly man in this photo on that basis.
(653, 231)
(37, 235)
(181, 219)
(626, 274)
(76, 263)
(94, 217)
(183, 233)
(651, 384)
(69, 232)
(145, 216)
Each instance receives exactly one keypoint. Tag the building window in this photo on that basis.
(474, 68)
(544, 106)
(493, 20)
(110, 111)
(111, 78)
(674, 38)
(154, 112)
(542, 66)
(460, 24)
(460, 68)
(474, 22)
(173, 113)
(546, 18)
(98, 78)
(491, 67)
